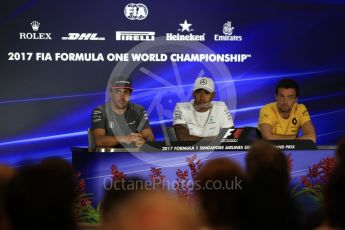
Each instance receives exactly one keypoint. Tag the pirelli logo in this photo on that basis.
(135, 35)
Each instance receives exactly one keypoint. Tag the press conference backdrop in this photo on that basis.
(57, 57)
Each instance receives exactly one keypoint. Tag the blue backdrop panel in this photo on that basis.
(45, 106)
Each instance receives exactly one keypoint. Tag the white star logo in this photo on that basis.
(185, 26)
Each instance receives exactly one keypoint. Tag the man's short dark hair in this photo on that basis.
(287, 84)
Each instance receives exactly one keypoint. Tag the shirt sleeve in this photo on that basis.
(226, 119)
(303, 114)
(143, 120)
(178, 116)
(98, 119)
(266, 116)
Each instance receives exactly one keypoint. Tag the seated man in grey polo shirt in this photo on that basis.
(120, 122)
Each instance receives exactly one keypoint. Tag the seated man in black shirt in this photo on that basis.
(120, 122)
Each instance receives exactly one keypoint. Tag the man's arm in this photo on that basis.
(267, 133)
(182, 134)
(226, 118)
(266, 121)
(147, 134)
(144, 126)
(103, 140)
(308, 132)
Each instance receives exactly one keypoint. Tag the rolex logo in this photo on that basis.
(35, 25)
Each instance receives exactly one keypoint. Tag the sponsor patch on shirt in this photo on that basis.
(96, 116)
(305, 113)
(145, 116)
(177, 114)
(131, 123)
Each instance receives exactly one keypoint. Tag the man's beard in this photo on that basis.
(203, 106)
(121, 104)
(284, 109)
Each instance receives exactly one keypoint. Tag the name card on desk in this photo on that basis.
(186, 146)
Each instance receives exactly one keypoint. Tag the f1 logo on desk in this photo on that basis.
(232, 134)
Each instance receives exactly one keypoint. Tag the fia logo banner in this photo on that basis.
(136, 11)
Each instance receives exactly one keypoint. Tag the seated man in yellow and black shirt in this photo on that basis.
(282, 120)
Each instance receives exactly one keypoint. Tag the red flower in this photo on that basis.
(80, 183)
(117, 174)
(157, 178)
(318, 174)
(183, 187)
(194, 165)
(83, 200)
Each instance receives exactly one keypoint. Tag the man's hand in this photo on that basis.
(103, 140)
(267, 133)
(182, 134)
(308, 132)
(135, 138)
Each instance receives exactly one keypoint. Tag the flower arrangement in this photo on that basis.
(317, 177)
(185, 185)
(86, 213)
(117, 174)
(194, 165)
(313, 183)
(157, 178)
(83, 208)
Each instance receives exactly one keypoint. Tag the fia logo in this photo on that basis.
(136, 11)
